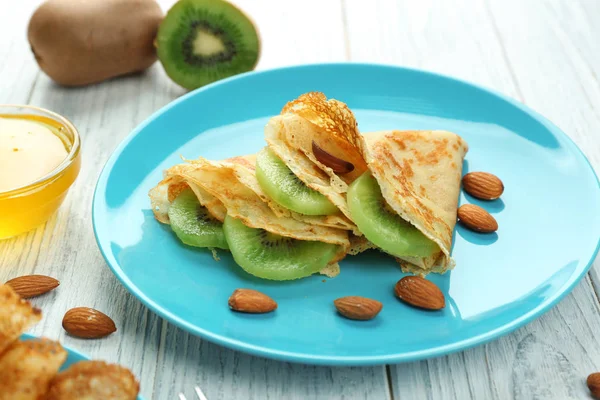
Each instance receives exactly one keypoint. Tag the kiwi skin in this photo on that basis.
(76, 42)
(177, 32)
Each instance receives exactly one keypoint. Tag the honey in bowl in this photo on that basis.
(39, 161)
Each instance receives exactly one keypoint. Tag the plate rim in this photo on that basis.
(282, 355)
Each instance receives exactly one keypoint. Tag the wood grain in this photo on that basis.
(507, 46)
(18, 70)
(224, 374)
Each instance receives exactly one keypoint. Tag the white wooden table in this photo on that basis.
(545, 53)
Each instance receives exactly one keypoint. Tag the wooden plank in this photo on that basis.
(560, 44)
(165, 358)
(296, 33)
(433, 35)
(508, 46)
(224, 374)
(18, 68)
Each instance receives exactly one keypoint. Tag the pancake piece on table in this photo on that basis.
(16, 316)
(94, 380)
(27, 367)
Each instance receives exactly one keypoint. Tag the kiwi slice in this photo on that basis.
(382, 226)
(202, 41)
(286, 189)
(193, 224)
(269, 256)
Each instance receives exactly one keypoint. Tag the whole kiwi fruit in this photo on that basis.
(202, 41)
(80, 42)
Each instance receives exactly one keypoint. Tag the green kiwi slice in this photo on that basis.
(382, 226)
(202, 41)
(193, 224)
(269, 256)
(284, 187)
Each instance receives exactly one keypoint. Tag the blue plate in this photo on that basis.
(549, 218)
(73, 356)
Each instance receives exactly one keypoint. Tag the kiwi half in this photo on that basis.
(202, 41)
(380, 225)
(193, 224)
(269, 256)
(284, 187)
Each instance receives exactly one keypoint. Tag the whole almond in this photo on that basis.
(87, 323)
(28, 286)
(420, 292)
(338, 165)
(477, 219)
(483, 185)
(593, 382)
(356, 307)
(251, 301)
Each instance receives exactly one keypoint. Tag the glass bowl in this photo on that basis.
(26, 207)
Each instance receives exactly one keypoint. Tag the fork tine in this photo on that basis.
(182, 397)
(201, 395)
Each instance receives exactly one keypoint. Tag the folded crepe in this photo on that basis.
(329, 124)
(418, 172)
(419, 175)
(229, 187)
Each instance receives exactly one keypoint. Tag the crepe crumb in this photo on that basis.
(331, 271)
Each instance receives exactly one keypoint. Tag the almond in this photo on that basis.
(251, 301)
(338, 165)
(483, 185)
(87, 323)
(593, 382)
(356, 307)
(477, 219)
(420, 292)
(28, 286)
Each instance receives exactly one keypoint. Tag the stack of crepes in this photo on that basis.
(318, 191)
